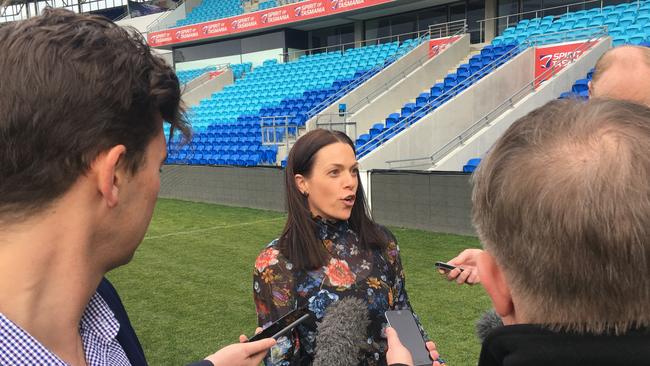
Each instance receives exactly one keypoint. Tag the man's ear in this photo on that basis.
(494, 282)
(301, 183)
(109, 174)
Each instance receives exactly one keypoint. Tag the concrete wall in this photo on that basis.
(482, 141)
(257, 187)
(437, 128)
(409, 85)
(139, 23)
(430, 201)
(399, 69)
(169, 19)
(205, 87)
(421, 200)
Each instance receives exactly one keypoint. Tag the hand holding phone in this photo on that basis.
(283, 325)
(409, 334)
(446, 267)
(467, 264)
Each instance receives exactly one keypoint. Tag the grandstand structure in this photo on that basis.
(416, 86)
(368, 67)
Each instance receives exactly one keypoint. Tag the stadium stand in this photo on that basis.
(548, 30)
(239, 70)
(626, 23)
(212, 10)
(480, 65)
(229, 125)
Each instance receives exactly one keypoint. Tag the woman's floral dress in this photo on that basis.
(375, 276)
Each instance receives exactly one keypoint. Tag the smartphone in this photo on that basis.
(445, 266)
(283, 325)
(409, 334)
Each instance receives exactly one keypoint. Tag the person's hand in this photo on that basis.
(467, 260)
(433, 353)
(396, 353)
(244, 339)
(242, 354)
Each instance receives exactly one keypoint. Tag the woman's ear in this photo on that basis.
(301, 183)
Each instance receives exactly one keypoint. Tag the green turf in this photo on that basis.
(188, 289)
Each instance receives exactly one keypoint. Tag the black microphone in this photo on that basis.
(488, 321)
(342, 333)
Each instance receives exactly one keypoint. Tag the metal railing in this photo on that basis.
(276, 130)
(448, 29)
(488, 118)
(345, 126)
(294, 55)
(512, 19)
(156, 24)
(367, 75)
(368, 98)
(430, 105)
(204, 76)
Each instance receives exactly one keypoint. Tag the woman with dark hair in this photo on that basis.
(329, 249)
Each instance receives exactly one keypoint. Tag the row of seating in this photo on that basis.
(211, 10)
(237, 115)
(626, 23)
(239, 70)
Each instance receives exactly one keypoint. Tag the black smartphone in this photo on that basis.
(445, 266)
(283, 325)
(409, 334)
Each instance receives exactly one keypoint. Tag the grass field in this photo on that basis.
(188, 289)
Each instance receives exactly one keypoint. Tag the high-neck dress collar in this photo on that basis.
(329, 229)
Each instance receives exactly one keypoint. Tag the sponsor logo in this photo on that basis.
(187, 33)
(235, 24)
(335, 4)
(275, 16)
(298, 11)
(160, 38)
(216, 28)
(558, 59)
(346, 3)
(545, 61)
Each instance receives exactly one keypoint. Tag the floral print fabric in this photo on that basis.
(375, 276)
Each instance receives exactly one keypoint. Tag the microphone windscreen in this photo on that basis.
(488, 321)
(342, 333)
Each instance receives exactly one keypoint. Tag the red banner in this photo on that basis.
(437, 45)
(551, 59)
(258, 20)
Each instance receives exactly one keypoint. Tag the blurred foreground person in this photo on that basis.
(562, 207)
(82, 105)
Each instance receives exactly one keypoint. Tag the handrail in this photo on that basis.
(287, 56)
(154, 26)
(380, 89)
(443, 97)
(408, 69)
(368, 74)
(356, 82)
(469, 132)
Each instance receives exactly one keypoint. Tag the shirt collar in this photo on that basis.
(16, 343)
(99, 319)
(330, 229)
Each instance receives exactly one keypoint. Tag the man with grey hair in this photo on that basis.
(623, 73)
(562, 208)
